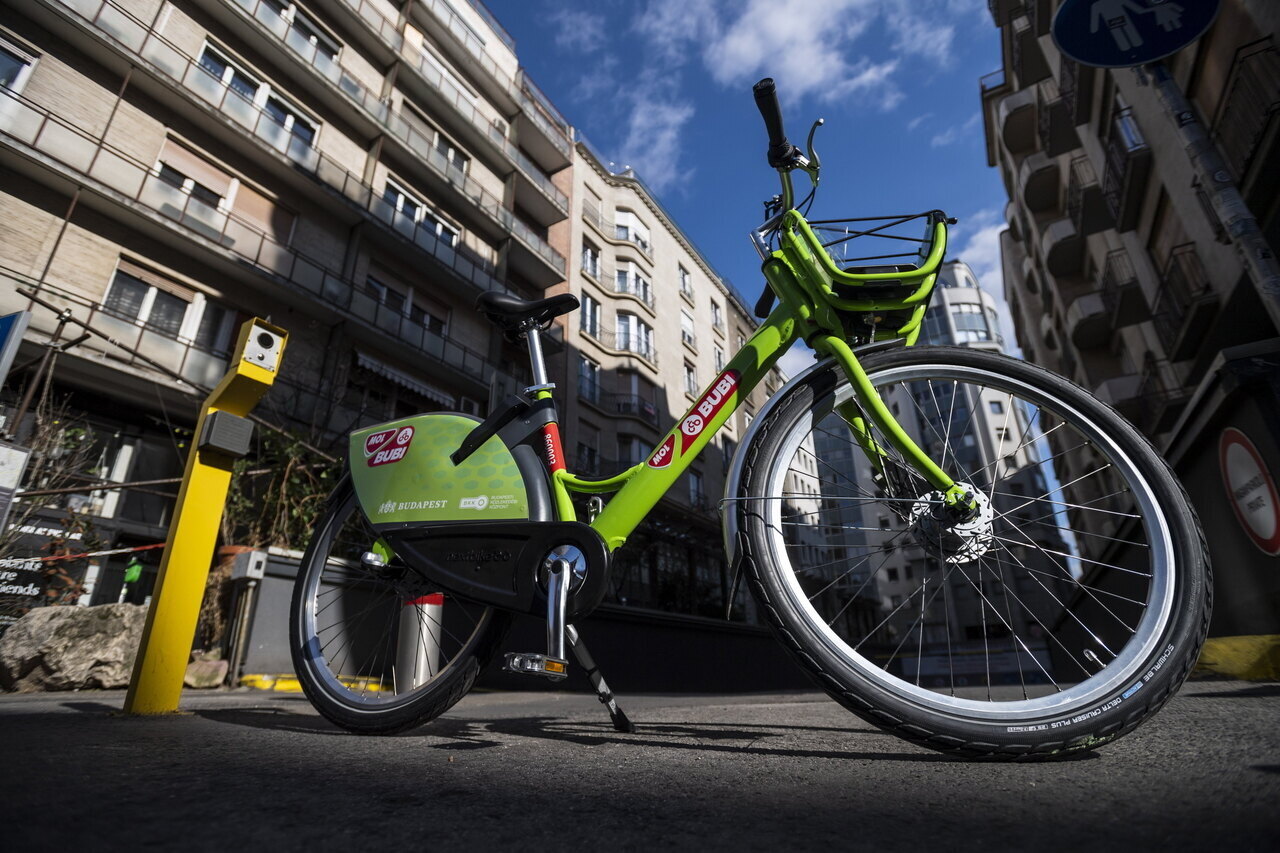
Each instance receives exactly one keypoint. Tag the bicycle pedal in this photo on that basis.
(531, 663)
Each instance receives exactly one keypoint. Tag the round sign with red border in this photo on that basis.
(1251, 490)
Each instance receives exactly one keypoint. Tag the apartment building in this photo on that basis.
(357, 171)
(1120, 275)
(656, 326)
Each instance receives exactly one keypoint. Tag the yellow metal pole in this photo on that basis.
(221, 437)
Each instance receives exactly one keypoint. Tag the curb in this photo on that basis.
(1249, 658)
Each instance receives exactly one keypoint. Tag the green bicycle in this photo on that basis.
(962, 548)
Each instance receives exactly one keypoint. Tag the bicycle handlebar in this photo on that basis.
(781, 151)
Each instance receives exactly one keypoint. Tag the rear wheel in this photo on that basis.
(1058, 616)
(376, 648)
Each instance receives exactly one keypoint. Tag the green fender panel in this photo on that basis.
(403, 474)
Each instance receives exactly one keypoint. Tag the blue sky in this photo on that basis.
(664, 86)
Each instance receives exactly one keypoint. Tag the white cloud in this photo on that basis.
(654, 130)
(578, 31)
(796, 359)
(956, 132)
(918, 120)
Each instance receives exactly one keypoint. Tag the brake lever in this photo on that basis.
(815, 162)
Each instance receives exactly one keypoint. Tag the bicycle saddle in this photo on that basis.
(511, 313)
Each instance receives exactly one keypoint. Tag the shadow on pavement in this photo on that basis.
(455, 733)
(1257, 692)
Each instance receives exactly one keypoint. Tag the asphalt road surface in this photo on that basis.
(519, 771)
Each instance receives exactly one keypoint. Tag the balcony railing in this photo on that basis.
(633, 405)
(626, 343)
(201, 366)
(1160, 398)
(544, 114)
(88, 156)
(1085, 203)
(464, 107)
(264, 13)
(1121, 293)
(1185, 303)
(109, 19)
(635, 285)
(992, 81)
(1128, 161)
(1249, 106)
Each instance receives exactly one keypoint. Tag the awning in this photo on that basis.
(403, 379)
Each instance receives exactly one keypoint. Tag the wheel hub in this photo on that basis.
(949, 536)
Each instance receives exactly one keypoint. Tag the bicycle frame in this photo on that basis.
(802, 312)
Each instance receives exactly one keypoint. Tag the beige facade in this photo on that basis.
(1118, 272)
(656, 327)
(356, 173)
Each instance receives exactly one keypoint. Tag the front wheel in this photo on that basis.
(1057, 616)
(375, 647)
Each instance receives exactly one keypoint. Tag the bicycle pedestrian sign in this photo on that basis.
(1123, 33)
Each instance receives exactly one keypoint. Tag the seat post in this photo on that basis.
(533, 336)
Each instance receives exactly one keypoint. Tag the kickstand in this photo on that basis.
(620, 721)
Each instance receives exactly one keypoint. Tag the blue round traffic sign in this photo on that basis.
(1122, 33)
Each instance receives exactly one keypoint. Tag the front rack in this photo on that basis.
(885, 287)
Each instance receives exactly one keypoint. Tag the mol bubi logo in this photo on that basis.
(387, 446)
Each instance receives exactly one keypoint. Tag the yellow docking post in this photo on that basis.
(222, 435)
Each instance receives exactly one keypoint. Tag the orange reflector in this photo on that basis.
(553, 666)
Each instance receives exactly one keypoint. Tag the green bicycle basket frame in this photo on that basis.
(901, 296)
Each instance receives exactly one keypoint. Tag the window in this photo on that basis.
(696, 497)
(430, 318)
(190, 186)
(390, 297)
(634, 335)
(730, 448)
(454, 157)
(168, 308)
(15, 66)
(690, 379)
(686, 329)
(259, 94)
(892, 575)
(717, 315)
(628, 227)
(410, 210)
(686, 283)
(588, 379)
(970, 321)
(631, 281)
(590, 260)
(589, 316)
(742, 340)
(303, 30)
(631, 450)
(719, 353)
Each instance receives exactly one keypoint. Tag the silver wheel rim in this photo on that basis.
(1122, 673)
(352, 684)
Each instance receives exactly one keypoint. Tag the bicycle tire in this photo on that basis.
(937, 708)
(353, 682)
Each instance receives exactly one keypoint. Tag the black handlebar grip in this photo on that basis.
(781, 152)
(767, 102)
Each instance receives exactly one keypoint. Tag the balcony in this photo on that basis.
(1016, 118)
(632, 406)
(1121, 292)
(1128, 163)
(1246, 127)
(1055, 121)
(123, 182)
(627, 344)
(634, 285)
(533, 257)
(1075, 83)
(1086, 206)
(1088, 322)
(201, 367)
(1122, 393)
(539, 114)
(1004, 11)
(1186, 304)
(1062, 248)
(1025, 56)
(1039, 183)
(1160, 398)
